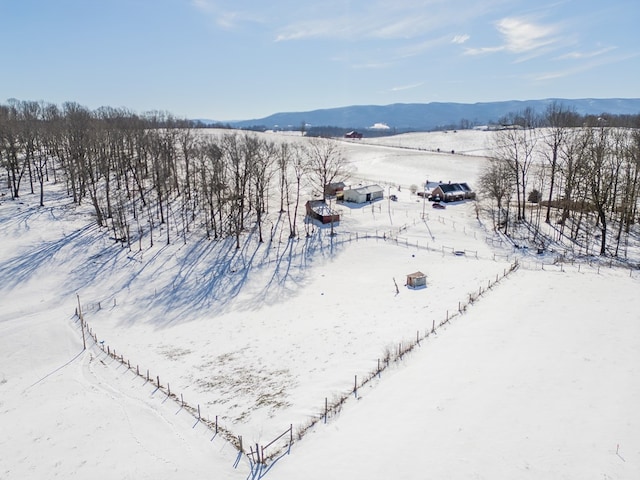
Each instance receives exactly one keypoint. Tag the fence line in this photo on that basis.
(195, 411)
(390, 357)
(265, 453)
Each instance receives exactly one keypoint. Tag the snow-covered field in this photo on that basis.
(538, 378)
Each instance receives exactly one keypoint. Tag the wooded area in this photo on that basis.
(575, 173)
(157, 175)
(154, 176)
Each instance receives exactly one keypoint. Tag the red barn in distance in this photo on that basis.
(353, 134)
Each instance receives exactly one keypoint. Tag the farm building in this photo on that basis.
(452, 192)
(334, 189)
(363, 194)
(319, 210)
(353, 134)
(416, 280)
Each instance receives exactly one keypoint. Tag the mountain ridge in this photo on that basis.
(432, 115)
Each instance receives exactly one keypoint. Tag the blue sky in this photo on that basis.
(235, 59)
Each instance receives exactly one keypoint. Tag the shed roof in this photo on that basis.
(417, 274)
(321, 208)
(369, 189)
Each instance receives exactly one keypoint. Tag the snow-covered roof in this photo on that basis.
(321, 208)
(417, 274)
(368, 189)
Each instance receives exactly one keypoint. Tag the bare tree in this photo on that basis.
(516, 146)
(262, 173)
(10, 148)
(497, 182)
(284, 156)
(298, 170)
(327, 163)
(558, 120)
(240, 153)
(602, 168)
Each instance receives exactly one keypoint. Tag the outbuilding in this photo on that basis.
(319, 210)
(353, 134)
(416, 280)
(363, 194)
(334, 189)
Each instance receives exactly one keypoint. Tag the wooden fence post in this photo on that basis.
(326, 409)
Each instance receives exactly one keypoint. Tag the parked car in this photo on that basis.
(438, 205)
(394, 198)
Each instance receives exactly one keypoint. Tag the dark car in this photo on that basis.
(438, 205)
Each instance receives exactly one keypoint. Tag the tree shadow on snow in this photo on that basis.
(210, 275)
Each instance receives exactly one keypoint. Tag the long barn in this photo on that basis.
(364, 194)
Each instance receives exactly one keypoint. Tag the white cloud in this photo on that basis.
(460, 39)
(421, 47)
(373, 65)
(225, 18)
(584, 55)
(407, 87)
(401, 19)
(523, 36)
(593, 62)
(520, 36)
(483, 50)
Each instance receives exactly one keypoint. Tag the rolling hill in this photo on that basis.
(431, 116)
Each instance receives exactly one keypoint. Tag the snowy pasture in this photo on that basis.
(537, 377)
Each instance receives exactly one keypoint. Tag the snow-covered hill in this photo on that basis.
(534, 376)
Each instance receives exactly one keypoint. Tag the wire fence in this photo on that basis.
(262, 456)
(153, 379)
(258, 455)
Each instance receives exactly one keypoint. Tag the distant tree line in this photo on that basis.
(578, 172)
(153, 174)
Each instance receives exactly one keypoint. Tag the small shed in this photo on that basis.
(363, 194)
(334, 189)
(416, 280)
(319, 210)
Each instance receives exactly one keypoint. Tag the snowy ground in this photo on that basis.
(537, 379)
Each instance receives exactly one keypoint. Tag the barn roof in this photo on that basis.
(368, 189)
